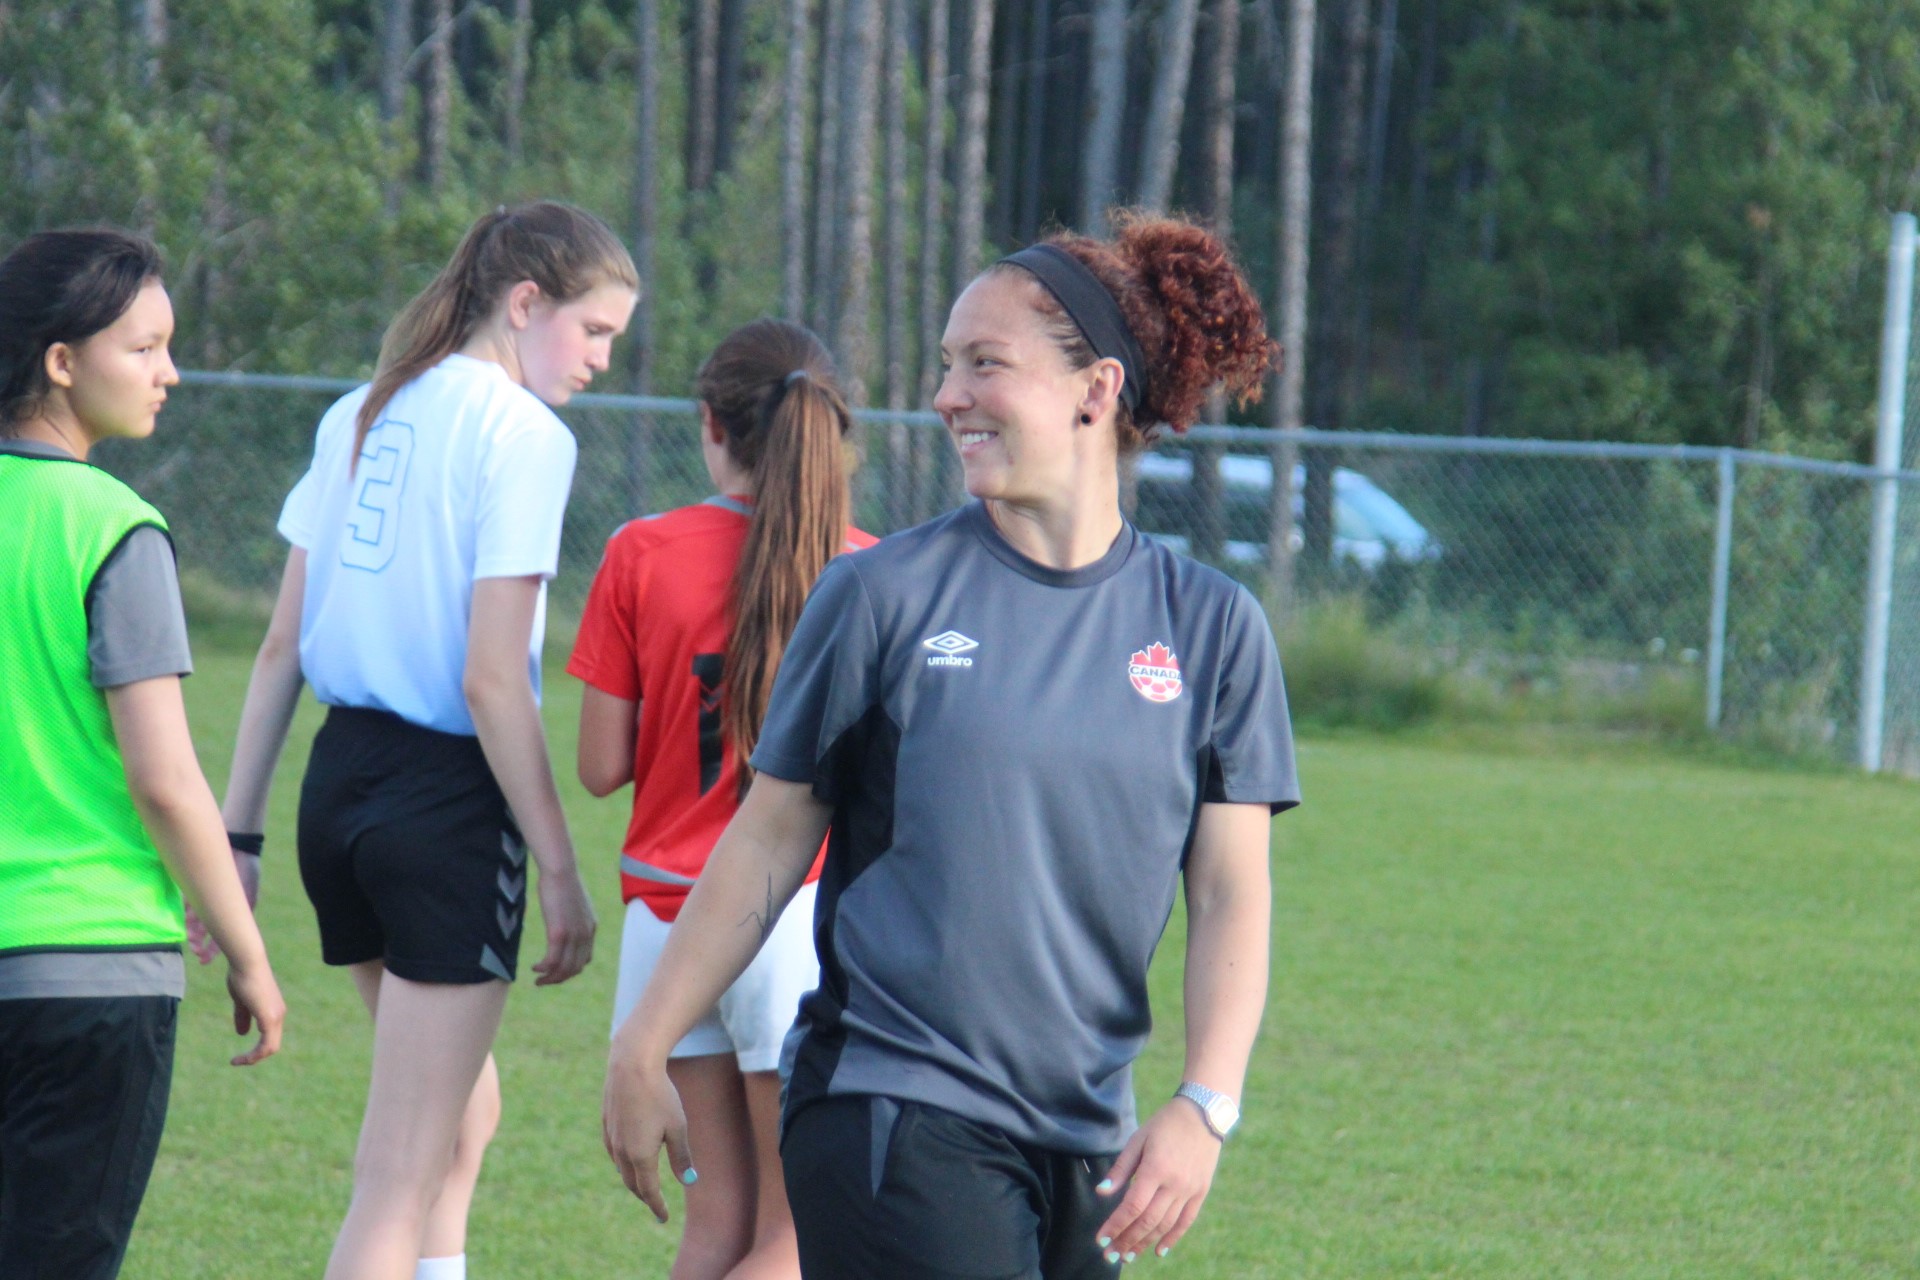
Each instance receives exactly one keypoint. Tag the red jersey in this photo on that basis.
(655, 632)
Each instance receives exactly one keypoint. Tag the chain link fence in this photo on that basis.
(1536, 570)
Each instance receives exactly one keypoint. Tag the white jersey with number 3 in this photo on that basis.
(464, 476)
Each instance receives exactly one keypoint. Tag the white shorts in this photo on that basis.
(756, 1012)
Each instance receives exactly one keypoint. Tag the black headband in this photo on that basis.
(1092, 308)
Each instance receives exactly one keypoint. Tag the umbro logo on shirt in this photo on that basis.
(947, 647)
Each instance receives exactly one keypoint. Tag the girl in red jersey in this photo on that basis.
(688, 616)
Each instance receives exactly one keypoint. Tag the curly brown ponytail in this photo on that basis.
(1190, 308)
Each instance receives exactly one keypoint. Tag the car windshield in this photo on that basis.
(1388, 519)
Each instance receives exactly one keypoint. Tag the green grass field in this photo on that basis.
(1538, 1010)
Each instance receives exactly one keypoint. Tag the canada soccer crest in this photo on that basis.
(1155, 673)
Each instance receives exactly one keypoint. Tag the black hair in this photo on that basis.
(61, 286)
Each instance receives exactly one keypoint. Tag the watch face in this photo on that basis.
(1222, 1114)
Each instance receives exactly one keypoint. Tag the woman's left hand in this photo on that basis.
(1162, 1176)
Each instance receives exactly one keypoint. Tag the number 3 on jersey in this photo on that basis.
(373, 519)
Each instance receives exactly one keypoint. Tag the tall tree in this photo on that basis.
(703, 75)
(646, 227)
(153, 40)
(895, 387)
(1329, 379)
(969, 224)
(1209, 527)
(1292, 227)
(396, 48)
(1033, 144)
(519, 47)
(1419, 183)
(436, 120)
(1161, 144)
(827, 151)
(727, 82)
(793, 163)
(1003, 111)
(854, 256)
(1106, 110)
(1360, 319)
(893, 110)
(933, 189)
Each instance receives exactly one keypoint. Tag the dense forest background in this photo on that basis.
(1646, 220)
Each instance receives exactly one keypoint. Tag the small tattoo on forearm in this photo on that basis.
(763, 921)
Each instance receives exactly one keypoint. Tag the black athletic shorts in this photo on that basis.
(891, 1190)
(83, 1097)
(408, 852)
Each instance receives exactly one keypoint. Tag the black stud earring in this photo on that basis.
(1086, 419)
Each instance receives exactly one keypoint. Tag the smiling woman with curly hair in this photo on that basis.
(1021, 725)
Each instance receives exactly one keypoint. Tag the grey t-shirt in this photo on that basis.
(1016, 757)
(136, 630)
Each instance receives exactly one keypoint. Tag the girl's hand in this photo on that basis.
(639, 1113)
(568, 914)
(256, 1002)
(1162, 1175)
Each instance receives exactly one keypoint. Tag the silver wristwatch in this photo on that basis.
(1220, 1112)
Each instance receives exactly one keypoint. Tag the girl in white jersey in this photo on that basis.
(414, 603)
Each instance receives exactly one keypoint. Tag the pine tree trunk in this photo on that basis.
(703, 69)
(726, 92)
(1161, 144)
(1426, 71)
(1360, 329)
(396, 47)
(1033, 145)
(435, 122)
(933, 205)
(1106, 111)
(518, 53)
(826, 168)
(793, 163)
(1331, 376)
(893, 110)
(1003, 151)
(1209, 526)
(153, 40)
(1296, 190)
(926, 451)
(646, 226)
(969, 224)
(855, 255)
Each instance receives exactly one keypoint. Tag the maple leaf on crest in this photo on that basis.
(1156, 655)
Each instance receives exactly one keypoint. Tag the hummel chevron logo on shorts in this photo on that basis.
(949, 645)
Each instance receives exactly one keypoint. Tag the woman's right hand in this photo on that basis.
(256, 1003)
(639, 1113)
(568, 913)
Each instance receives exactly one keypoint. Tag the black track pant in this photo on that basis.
(83, 1097)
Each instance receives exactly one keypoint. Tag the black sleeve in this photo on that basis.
(829, 677)
(136, 627)
(1252, 745)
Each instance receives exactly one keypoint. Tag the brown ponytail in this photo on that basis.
(564, 250)
(772, 388)
(1195, 316)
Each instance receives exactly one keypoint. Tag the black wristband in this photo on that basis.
(246, 841)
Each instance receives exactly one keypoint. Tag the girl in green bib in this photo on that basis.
(105, 818)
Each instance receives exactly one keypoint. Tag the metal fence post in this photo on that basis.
(1722, 570)
(1895, 336)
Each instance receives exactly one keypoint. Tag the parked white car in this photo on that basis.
(1369, 526)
